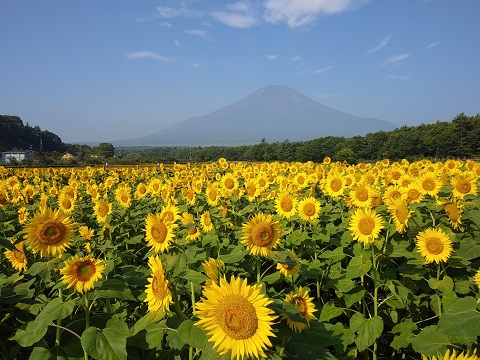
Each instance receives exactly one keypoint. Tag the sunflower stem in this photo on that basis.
(375, 295)
(87, 321)
(58, 331)
(438, 294)
(259, 273)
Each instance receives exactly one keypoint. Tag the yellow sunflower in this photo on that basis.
(304, 304)
(309, 209)
(286, 204)
(236, 317)
(476, 278)
(463, 184)
(365, 225)
(252, 189)
(17, 257)
(261, 234)
(361, 195)
(454, 211)
(193, 233)
(49, 232)
(22, 215)
(206, 221)
(213, 268)
(159, 297)
(229, 183)
(413, 192)
(434, 245)
(170, 213)
(212, 193)
(400, 213)
(453, 356)
(429, 183)
(288, 269)
(141, 191)
(66, 203)
(334, 185)
(159, 234)
(123, 196)
(82, 273)
(102, 208)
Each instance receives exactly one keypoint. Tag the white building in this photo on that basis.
(16, 155)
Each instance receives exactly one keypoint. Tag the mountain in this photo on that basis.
(274, 113)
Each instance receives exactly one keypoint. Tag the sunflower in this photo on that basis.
(454, 211)
(159, 297)
(140, 191)
(212, 193)
(193, 233)
(229, 183)
(123, 196)
(429, 183)
(365, 225)
(304, 304)
(453, 356)
(434, 245)
(286, 204)
(309, 209)
(22, 215)
(206, 221)
(463, 184)
(213, 267)
(252, 189)
(288, 269)
(102, 209)
(361, 195)
(476, 278)
(49, 232)
(17, 257)
(170, 213)
(66, 203)
(261, 234)
(82, 273)
(158, 232)
(400, 213)
(236, 317)
(334, 185)
(413, 193)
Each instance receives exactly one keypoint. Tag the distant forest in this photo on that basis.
(459, 138)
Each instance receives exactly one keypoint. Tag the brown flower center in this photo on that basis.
(237, 317)
(366, 225)
(463, 186)
(51, 232)
(336, 185)
(262, 234)
(159, 286)
(159, 232)
(361, 194)
(434, 246)
(84, 270)
(229, 183)
(309, 209)
(286, 204)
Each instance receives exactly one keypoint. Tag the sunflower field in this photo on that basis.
(234, 260)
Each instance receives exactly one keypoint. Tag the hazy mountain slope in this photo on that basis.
(273, 112)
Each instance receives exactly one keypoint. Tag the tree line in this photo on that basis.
(458, 138)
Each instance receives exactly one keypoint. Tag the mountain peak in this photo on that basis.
(273, 112)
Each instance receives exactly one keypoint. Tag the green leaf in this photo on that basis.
(368, 330)
(461, 319)
(353, 296)
(272, 278)
(237, 254)
(107, 344)
(142, 323)
(345, 285)
(155, 333)
(334, 255)
(430, 342)
(195, 276)
(192, 335)
(405, 331)
(444, 285)
(329, 311)
(35, 330)
(359, 265)
(5, 243)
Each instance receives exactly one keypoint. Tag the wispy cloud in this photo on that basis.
(182, 11)
(324, 69)
(147, 55)
(398, 77)
(199, 32)
(297, 13)
(165, 24)
(177, 43)
(395, 60)
(271, 57)
(384, 42)
(429, 46)
(296, 58)
(240, 14)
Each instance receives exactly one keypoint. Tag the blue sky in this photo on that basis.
(104, 70)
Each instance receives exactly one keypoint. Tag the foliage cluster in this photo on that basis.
(370, 297)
